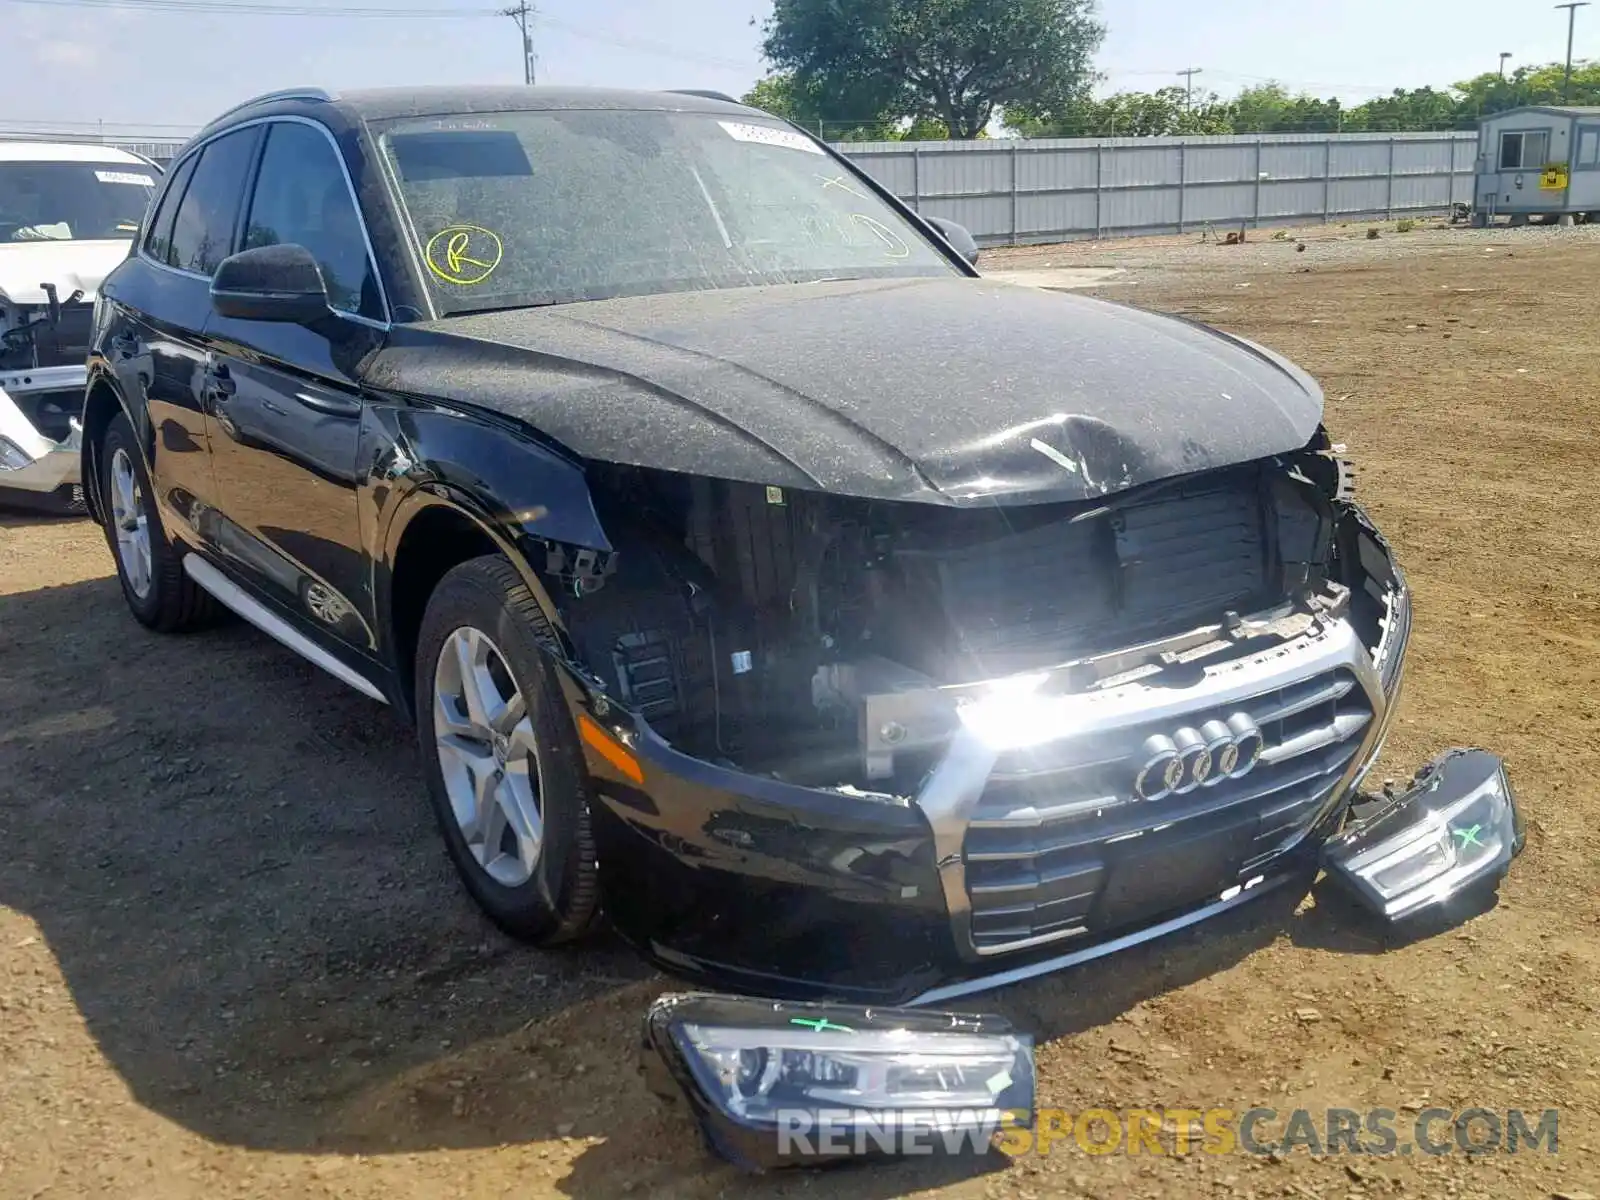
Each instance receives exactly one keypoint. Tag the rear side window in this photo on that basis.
(202, 231)
(302, 198)
(159, 242)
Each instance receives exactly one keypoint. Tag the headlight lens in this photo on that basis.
(775, 1083)
(1456, 828)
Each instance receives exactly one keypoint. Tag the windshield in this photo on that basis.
(527, 208)
(72, 201)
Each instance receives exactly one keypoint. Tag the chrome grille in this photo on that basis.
(1058, 844)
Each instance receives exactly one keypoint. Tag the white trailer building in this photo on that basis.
(1538, 163)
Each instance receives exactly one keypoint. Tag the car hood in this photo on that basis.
(71, 266)
(953, 391)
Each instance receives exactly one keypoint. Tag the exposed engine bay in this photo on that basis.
(799, 634)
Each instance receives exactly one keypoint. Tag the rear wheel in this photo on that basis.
(504, 769)
(149, 567)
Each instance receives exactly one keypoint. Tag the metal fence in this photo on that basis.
(1015, 192)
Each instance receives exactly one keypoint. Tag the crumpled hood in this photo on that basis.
(71, 266)
(949, 390)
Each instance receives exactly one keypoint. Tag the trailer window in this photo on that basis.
(1589, 146)
(1524, 151)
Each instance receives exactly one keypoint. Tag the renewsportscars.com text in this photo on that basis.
(1171, 1131)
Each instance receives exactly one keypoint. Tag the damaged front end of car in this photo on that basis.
(896, 753)
(936, 753)
(42, 352)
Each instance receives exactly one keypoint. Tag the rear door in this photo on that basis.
(153, 335)
(287, 402)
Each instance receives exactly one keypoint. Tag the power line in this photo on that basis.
(255, 9)
(520, 15)
(1188, 74)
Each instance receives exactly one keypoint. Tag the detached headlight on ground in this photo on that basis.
(776, 1084)
(1457, 827)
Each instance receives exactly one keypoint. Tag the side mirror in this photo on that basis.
(960, 240)
(270, 283)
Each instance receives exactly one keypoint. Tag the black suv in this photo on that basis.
(842, 622)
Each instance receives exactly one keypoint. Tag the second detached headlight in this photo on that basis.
(1457, 828)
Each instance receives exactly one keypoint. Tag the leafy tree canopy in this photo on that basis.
(1272, 108)
(955, 62)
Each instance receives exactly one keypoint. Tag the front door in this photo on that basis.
(159, 302)
(286, 401)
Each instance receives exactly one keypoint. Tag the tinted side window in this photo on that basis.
(159, 244)
(202, 233)
(301, 197)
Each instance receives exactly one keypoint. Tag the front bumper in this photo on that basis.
(1002, 868)
(30, 461)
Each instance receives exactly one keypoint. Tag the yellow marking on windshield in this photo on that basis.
(838, 181)
(894, 246)
(464, 255)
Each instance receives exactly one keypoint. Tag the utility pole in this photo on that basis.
(1188, 74)
(1572, 21)
(521, 13)
(1504, 54)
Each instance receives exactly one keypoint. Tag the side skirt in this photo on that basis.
(232, 596)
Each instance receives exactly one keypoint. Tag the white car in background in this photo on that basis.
(68, 215)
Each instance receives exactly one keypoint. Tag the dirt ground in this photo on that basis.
(233, 960)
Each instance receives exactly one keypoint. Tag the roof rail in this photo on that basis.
(704, 95)
(316, 95)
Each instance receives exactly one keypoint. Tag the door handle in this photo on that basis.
(338, 406)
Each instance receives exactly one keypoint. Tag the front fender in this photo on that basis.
(519, 494)
(522, 487)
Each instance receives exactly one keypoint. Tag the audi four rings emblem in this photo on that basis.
(1195, 758)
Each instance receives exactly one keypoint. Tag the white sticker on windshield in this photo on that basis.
(132, 177)
(766, 135)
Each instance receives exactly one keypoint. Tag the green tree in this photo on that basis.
(1161, 113)
(1270, 108)
(828, 115)
(1488, 93)
(956, 62)
(1407, 111)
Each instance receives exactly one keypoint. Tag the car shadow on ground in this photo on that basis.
(231, 859)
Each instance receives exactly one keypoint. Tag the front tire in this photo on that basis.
(149, 567)
(505, 771)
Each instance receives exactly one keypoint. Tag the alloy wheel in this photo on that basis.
(489, 756)
(131, 524)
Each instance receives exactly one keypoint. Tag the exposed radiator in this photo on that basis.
(1062, 588)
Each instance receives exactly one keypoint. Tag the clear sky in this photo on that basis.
(90, 61)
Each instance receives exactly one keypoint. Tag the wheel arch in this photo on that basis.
(102, 402)
(434, 532)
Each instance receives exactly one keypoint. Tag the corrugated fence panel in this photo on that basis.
(1056, 212)
(1218, 164)
(1281, 199)
(1218, 201)
(1140, 166)
(1421, 192)
(1046, 189)
(1057, 169)
(1346, 196)
(1293, 161)
(974, 173)
(1144, 208)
